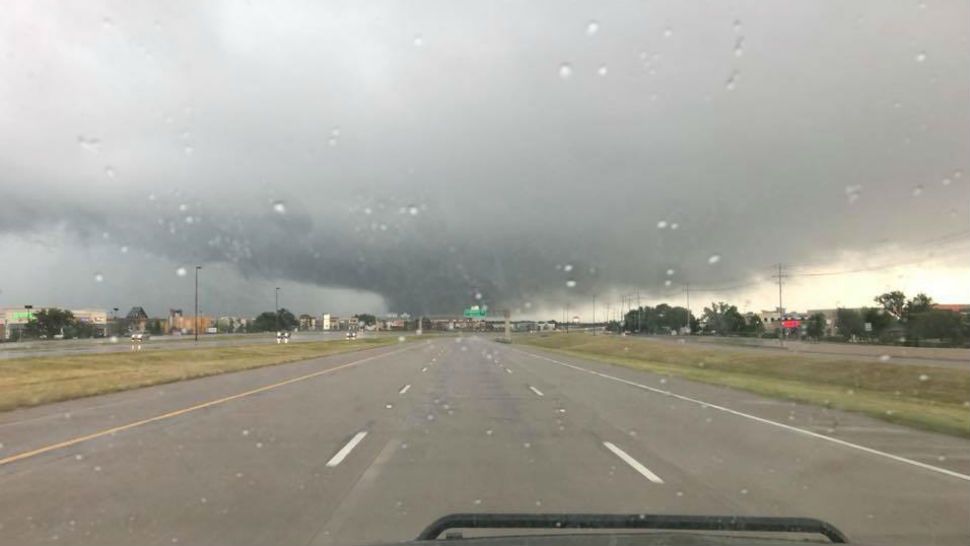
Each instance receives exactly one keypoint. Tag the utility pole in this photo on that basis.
(28, 308)
(781, 308)
(594, 310)
(639, 309)
(687, 291)
(277, 308)
(196, 329)
(567, 317)
(622, 314)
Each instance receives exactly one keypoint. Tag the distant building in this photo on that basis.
(830, 319)
(136, 320)
(962, 308)
(230, 325)
(179, 324)
(14, 319)
(327, 323)
(308, 322)
(98, 318)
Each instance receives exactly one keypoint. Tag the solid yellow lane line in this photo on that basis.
(183, 411)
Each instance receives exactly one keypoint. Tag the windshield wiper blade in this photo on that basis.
(633, 521)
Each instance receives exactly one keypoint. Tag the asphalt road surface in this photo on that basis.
(158, 343)
(372, 446)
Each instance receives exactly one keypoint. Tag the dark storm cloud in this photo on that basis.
(434, 153)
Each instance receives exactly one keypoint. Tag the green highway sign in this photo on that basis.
(476, 311)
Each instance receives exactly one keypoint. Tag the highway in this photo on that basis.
(371, 446)
(123, 344)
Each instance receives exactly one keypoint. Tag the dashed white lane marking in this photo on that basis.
(183, 411)
(633, 463)
(816, 435)
(404, 389)
(344, 451)
(535, 390)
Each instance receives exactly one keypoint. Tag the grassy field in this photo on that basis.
(926, 397)
(31, 381)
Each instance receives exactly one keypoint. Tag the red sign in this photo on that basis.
(790, 323)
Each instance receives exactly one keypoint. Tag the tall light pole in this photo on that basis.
(277, 307)
(687, 293)
(196, 329)
(28, 308)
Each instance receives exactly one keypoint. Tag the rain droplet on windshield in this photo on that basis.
(413, 210)
(109, 171)
(670, 272)
(565, 71)
(739, 46)
(89, 143)
(478, 295)
(918, 191)
(714, 259)
(732, 81)
(885, 358)
(279, 207)
(924, 377)
(181, 272)
(945, 181)
(567, 268)
(662, 224)
(571, 283)
(98, 277)
(602, 70)
(853, 192)
(921, 56)
(418, 40)
(668, 32)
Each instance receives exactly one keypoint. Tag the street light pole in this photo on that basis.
(28, 308)
(277, 308)
(196, 329)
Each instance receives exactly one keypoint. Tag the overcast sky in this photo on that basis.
(424, 156)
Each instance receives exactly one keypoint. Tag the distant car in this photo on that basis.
(140, 336)
(351, 335)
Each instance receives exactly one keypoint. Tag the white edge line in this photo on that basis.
(404, 389)
(344, 451)
(843, 443)
(633, 462)
(535, 390)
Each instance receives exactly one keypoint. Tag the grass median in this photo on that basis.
(927, 397)
(30, 381)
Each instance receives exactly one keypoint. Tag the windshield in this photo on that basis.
(325, 272)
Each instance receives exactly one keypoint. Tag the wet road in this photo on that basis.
(372, 446)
